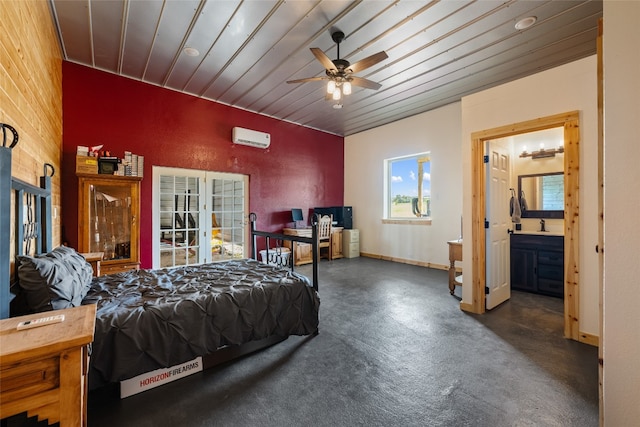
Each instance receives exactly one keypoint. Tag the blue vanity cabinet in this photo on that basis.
(537, 264)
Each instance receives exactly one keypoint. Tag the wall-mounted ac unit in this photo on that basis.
(250, 137)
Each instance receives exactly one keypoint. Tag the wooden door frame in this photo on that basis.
(570, 122)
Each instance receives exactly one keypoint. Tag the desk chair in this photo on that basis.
(324, 236)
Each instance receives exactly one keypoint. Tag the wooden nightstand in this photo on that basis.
(43, 370)
(94, 259)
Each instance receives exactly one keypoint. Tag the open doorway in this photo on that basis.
(570, 123)
(524, 213)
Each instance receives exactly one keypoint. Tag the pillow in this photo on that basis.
(59, 279)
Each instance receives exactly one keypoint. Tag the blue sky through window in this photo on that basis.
(404, 179)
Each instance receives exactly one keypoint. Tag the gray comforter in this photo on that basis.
(151, 319)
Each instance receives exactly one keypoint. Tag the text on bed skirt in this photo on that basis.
(159, 377)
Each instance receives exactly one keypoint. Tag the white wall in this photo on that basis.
(436, 131)
(566, 88)
(621, 335)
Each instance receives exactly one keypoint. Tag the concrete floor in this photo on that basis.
(394, 349)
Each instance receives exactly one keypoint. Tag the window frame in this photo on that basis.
(420, 158)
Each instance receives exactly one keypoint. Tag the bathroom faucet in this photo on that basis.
(542, 225)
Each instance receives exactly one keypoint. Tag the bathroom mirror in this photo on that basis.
(542, 195)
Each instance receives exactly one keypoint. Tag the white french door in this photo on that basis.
(227, 207)
(198, 216)
(498, 280)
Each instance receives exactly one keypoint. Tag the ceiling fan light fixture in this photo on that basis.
(337, 94)
(338, 72)
(346, 88)
(331, 86)
(525, 23)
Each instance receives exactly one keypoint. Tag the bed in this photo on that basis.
(154, 319)
(150, 319)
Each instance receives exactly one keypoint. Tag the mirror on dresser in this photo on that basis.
(543, 195)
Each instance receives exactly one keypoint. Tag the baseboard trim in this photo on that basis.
(590, 339)
(469, 308)
(406, 261)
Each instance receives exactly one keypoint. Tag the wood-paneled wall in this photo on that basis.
(31, 93)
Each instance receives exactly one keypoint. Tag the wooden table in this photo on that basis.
(455, 254)
(43, 370)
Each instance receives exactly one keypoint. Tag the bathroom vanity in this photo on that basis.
(537, 263)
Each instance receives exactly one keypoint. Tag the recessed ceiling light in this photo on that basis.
(526, 22)
(191, 51)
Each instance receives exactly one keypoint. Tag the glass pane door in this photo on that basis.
(179, 220)
(198, 216)
(110, 219)
(228, 217)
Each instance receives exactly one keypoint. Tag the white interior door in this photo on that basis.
(499, 218)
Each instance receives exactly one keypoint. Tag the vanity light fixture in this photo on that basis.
(542, 153)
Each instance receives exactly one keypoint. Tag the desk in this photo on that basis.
(455, 254)
(43, 370)
(302, 253)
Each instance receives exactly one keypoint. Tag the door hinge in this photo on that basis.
(486, 224)
(486, 290)
(485, 159)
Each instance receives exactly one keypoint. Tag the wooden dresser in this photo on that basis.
(43, 370)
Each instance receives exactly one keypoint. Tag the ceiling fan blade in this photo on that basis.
(308, 79)
(368, 62)
(359, 81)
(324, 59)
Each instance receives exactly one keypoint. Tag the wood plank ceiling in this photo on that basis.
(439, 51)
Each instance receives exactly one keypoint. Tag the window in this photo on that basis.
(409, 187)
(198, 216)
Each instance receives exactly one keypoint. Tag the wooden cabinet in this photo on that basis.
(302, 253)
(537, 264)
(336, 243)
(108, 220)
(43, 370)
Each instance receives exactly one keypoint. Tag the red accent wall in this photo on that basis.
(302, 168)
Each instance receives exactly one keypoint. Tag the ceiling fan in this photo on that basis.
(340, 72)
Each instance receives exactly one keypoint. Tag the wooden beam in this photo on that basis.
(600, 212)
(571, 230)
(478, 246)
